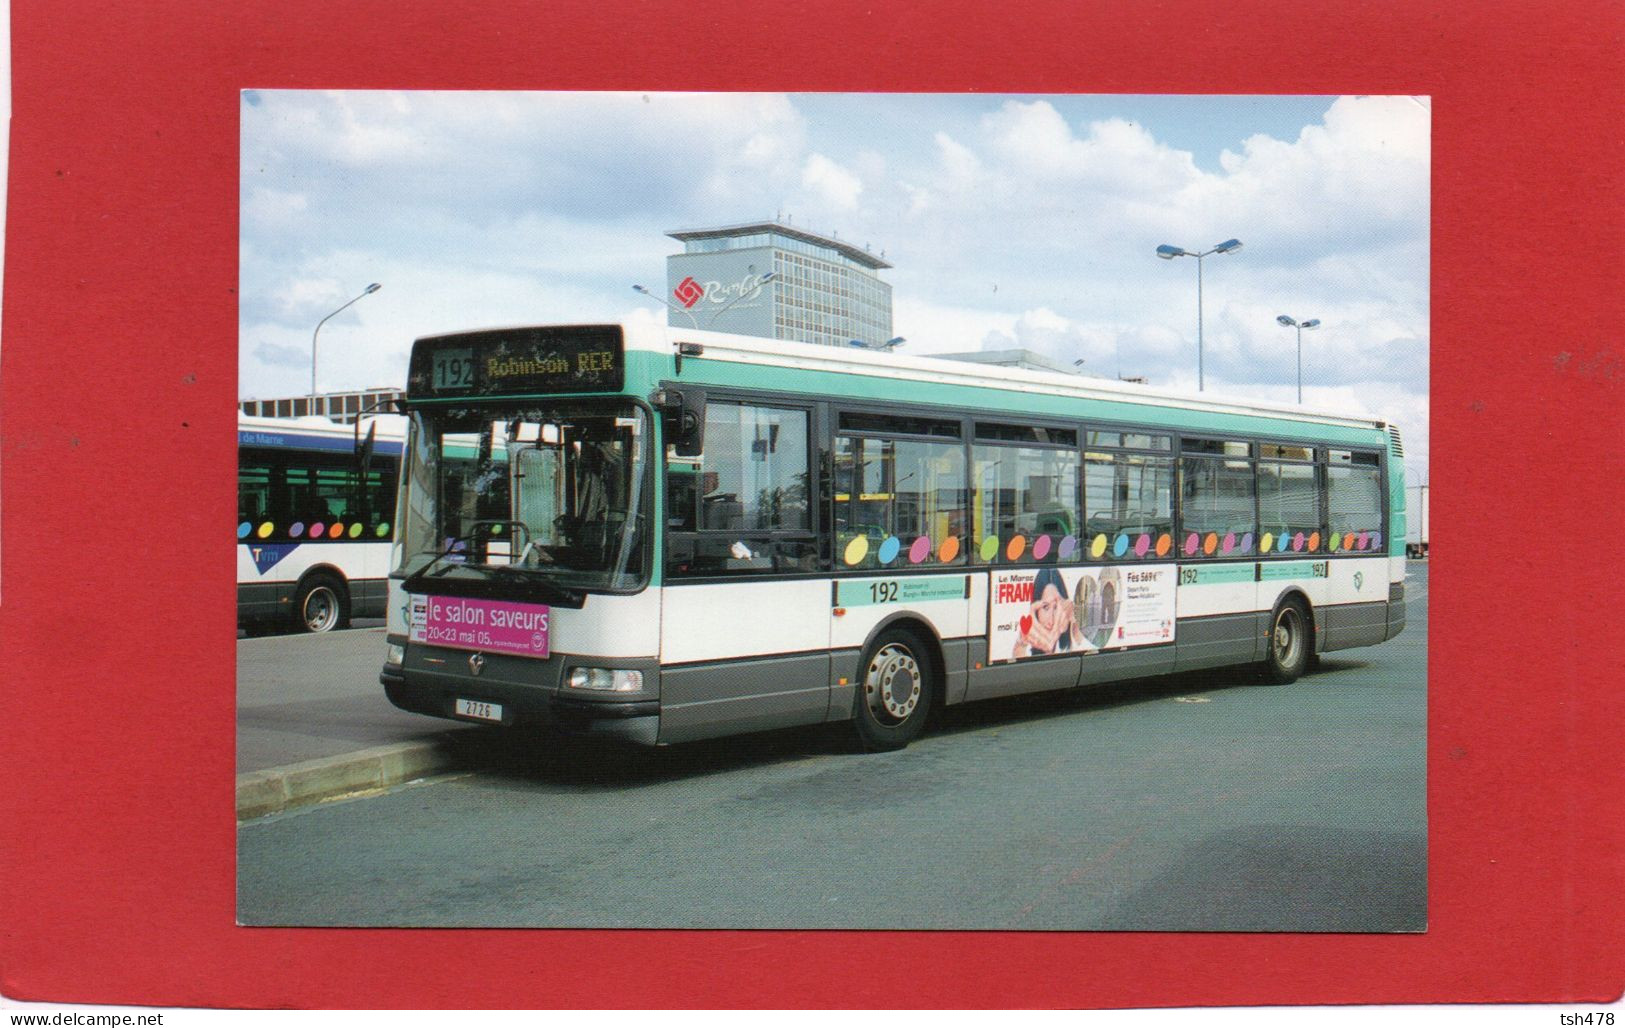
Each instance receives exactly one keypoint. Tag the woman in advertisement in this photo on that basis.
(1052, 623)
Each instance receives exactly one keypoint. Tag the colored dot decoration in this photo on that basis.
(888, 550)
(382, 531)
(296, 529)
(317, 529)
(243, 528)
(857, 549)
(265, 530)
(1037, 548)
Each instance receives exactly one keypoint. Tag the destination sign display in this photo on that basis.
(555, 359)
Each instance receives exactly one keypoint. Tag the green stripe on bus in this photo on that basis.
(1275, 572)
(870, 591)
(1216, 574)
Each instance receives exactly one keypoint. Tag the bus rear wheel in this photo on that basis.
(894, 692)
(321, 605)
(1289, 644)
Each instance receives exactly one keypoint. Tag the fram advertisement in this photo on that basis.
(1037, 612)
(518, 628)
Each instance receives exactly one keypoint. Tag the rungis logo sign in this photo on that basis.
(689, 292)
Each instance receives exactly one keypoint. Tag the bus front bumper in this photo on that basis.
(526, 691)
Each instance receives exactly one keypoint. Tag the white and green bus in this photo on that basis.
(669, 535)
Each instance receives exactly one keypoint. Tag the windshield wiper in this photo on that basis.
(536, 585)
(417, 577)
(532, 585)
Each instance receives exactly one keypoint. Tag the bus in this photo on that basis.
(664, 535)
(315, 519)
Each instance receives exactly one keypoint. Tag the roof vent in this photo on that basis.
(1398, 447)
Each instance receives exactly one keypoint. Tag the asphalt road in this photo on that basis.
(305, 697)
(1198, 802)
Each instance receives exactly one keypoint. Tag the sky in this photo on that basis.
(1011, 221)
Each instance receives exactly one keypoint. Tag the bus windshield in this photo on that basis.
(552, 497)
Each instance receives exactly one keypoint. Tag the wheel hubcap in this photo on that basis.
(892, 683)
(1286, 637)
(321, 608)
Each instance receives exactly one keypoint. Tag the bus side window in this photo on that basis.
(744, 506)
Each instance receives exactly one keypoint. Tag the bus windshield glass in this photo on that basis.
(532, 499)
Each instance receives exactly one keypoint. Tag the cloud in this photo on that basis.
(1010, 223)
(1115, 157)
(282, 356)
(833, 185)
(270, 208)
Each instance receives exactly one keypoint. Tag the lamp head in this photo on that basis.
(1312, 323)
(375, 287)
(1283, 319)
(1228, 246)
(1168, 253)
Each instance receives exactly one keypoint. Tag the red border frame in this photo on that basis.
(117, 852)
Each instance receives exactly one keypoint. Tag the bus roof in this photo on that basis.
(925, 369)
(317, 432)
(758, 351)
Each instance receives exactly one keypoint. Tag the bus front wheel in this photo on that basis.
(894, 692)
(320, 605)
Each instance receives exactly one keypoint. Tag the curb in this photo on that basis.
(276, 789)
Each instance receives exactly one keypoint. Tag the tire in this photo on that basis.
(1290, 643)
(321, 605)
(896, 683)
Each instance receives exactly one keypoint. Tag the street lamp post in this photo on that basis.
(1300, 326)
(1168, 253)
(668, 304)
(370, 289)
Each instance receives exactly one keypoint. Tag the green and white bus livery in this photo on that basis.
(669, 535)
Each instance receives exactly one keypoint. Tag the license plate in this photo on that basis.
(479, 710)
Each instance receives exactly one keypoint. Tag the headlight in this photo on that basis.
(395, 655)
(603, 679)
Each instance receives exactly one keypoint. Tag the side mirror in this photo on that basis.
(683, 413)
